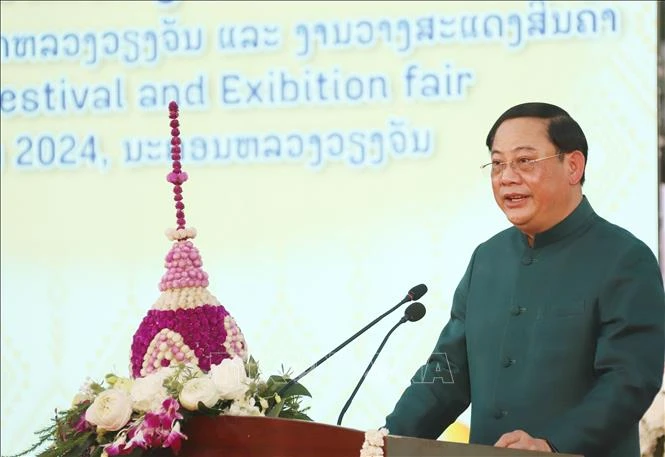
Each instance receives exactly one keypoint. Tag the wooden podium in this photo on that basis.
(233, 436)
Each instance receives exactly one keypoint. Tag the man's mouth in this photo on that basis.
(515, 198)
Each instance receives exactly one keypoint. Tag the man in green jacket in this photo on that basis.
(556, 334)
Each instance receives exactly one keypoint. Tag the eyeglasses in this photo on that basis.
(521, 165)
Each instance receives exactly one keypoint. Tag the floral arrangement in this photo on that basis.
(124, 416)
(188, 357)
(374, 443)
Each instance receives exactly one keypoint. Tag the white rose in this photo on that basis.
(198, 390)
(148, 393)
(230, 378)
(111, 410)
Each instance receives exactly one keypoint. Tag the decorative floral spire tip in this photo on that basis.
(177, 177)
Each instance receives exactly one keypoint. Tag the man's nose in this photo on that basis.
(508, 174)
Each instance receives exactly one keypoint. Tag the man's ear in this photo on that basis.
(575, 166)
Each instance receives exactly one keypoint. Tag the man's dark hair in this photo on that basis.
(564, 132)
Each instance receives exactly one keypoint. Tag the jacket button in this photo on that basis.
(517, 310)
(527, 259)
(500, 413)
(508, 362)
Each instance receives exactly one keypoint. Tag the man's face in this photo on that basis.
(534, 200)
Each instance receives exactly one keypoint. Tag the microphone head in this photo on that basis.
(414, 312)
(417, 291)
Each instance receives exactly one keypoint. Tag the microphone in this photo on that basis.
(414, 312)
(414, 294)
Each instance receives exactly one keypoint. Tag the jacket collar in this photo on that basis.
(576, 221)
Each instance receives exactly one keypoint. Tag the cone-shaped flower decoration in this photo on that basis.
(186, 324)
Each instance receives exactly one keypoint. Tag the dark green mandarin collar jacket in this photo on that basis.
(564, 340)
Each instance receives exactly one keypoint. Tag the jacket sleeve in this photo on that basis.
(629, 357)
(439, 391)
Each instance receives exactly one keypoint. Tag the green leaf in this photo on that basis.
(275, 410)
(73, 447)
(82, 447)
(252, 368)
(277, 381)
(296, 390)
(203, 409)
(289, 414)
